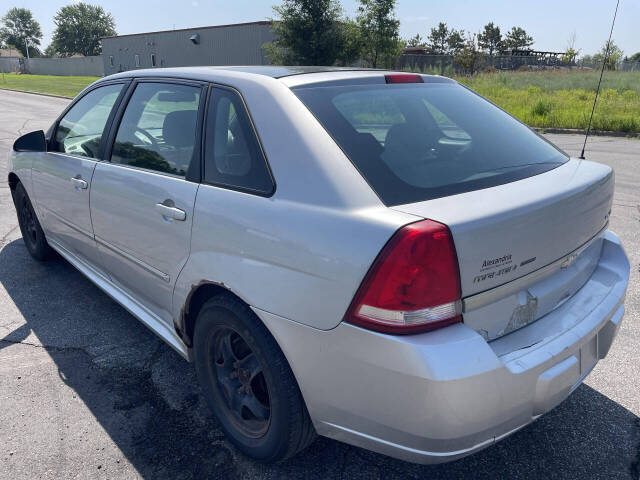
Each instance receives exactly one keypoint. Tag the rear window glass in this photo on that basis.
(417, 142)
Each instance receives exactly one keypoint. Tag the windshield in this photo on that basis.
(420, 141)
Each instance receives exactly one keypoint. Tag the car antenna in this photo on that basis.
(604, 62)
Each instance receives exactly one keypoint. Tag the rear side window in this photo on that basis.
(80, 130)
(233, 156)
(158, 129)
(420, 141)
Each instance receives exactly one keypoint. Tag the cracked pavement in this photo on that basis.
(86, 391)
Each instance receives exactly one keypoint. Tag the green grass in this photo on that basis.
(65, 86)
(560, 99)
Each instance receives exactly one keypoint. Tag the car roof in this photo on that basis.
(272, 71)
(290, 75)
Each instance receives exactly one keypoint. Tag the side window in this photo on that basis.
(158, 128)
(80, 130)
(233, 156)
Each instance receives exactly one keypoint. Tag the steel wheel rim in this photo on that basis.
(28, 222)
(239, 379)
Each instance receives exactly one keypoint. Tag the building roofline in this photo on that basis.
(261, 22)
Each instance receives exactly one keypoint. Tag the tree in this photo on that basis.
(470, 57)
(490, 39)
(351, 43)
(308, 32)
(437, 39)
(20, 29)
(517, 39)
(415, 41)
(571, 53)
(614, 53)
(380, 30)
(79, 28)
(455, 41)
(635, 57)
(50, 51)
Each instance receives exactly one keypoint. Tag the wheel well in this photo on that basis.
(13, 181)
(196, 299)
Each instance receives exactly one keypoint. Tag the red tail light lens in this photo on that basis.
(413, 285)
(403, 78)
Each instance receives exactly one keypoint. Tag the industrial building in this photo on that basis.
(237, 44)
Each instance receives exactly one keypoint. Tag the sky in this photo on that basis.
(551, 23)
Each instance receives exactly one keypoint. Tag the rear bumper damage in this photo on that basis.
(439, 396)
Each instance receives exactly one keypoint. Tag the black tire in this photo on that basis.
(32, 233)
(229, 341)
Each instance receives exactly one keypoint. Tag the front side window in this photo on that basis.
(80, 130)
(158, 129)
(420, 141)
(233, 156)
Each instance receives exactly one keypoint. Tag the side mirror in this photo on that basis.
(31, 142)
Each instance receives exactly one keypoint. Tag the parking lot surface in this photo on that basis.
(86, 391)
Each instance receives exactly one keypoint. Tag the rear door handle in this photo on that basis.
(79, 183)
(168, 211)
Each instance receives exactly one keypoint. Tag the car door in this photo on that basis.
(142, 199)
(61, 178)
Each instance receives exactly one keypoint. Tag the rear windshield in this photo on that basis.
(415, 142)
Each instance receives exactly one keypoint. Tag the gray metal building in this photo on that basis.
(238, 44)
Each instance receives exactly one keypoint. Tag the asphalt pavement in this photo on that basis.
(86, 391)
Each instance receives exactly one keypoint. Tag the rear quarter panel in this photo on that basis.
(297, 261)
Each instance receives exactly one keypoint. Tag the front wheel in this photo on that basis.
(32, 233)
(248, 383)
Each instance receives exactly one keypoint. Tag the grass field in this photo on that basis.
(549, 99)
(556, 99)
(65, 86)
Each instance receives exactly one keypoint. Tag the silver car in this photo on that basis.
(385, 259)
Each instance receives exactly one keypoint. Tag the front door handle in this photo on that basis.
(79, 183)
(169, 211)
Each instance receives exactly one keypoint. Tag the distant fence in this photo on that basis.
(73, 66)
(630, 66)
(10, 64)
(447, 64)
(77, 66)
(625, 65)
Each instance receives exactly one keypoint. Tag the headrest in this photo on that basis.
(179, 128)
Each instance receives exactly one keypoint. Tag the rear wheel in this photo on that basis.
(248, 382)
(32, 233)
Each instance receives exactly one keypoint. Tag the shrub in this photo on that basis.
(541, 108)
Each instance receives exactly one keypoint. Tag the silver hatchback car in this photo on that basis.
(386, 259)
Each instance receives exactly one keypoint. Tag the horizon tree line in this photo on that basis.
(79, 28)
(443, 40)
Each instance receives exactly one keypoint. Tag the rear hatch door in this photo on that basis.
(539, 233)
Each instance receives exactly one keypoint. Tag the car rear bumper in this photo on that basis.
(438, 396)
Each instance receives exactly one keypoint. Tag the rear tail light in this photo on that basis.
(403, 78)
(414, 284)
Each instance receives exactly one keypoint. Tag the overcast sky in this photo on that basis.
(550, 22)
